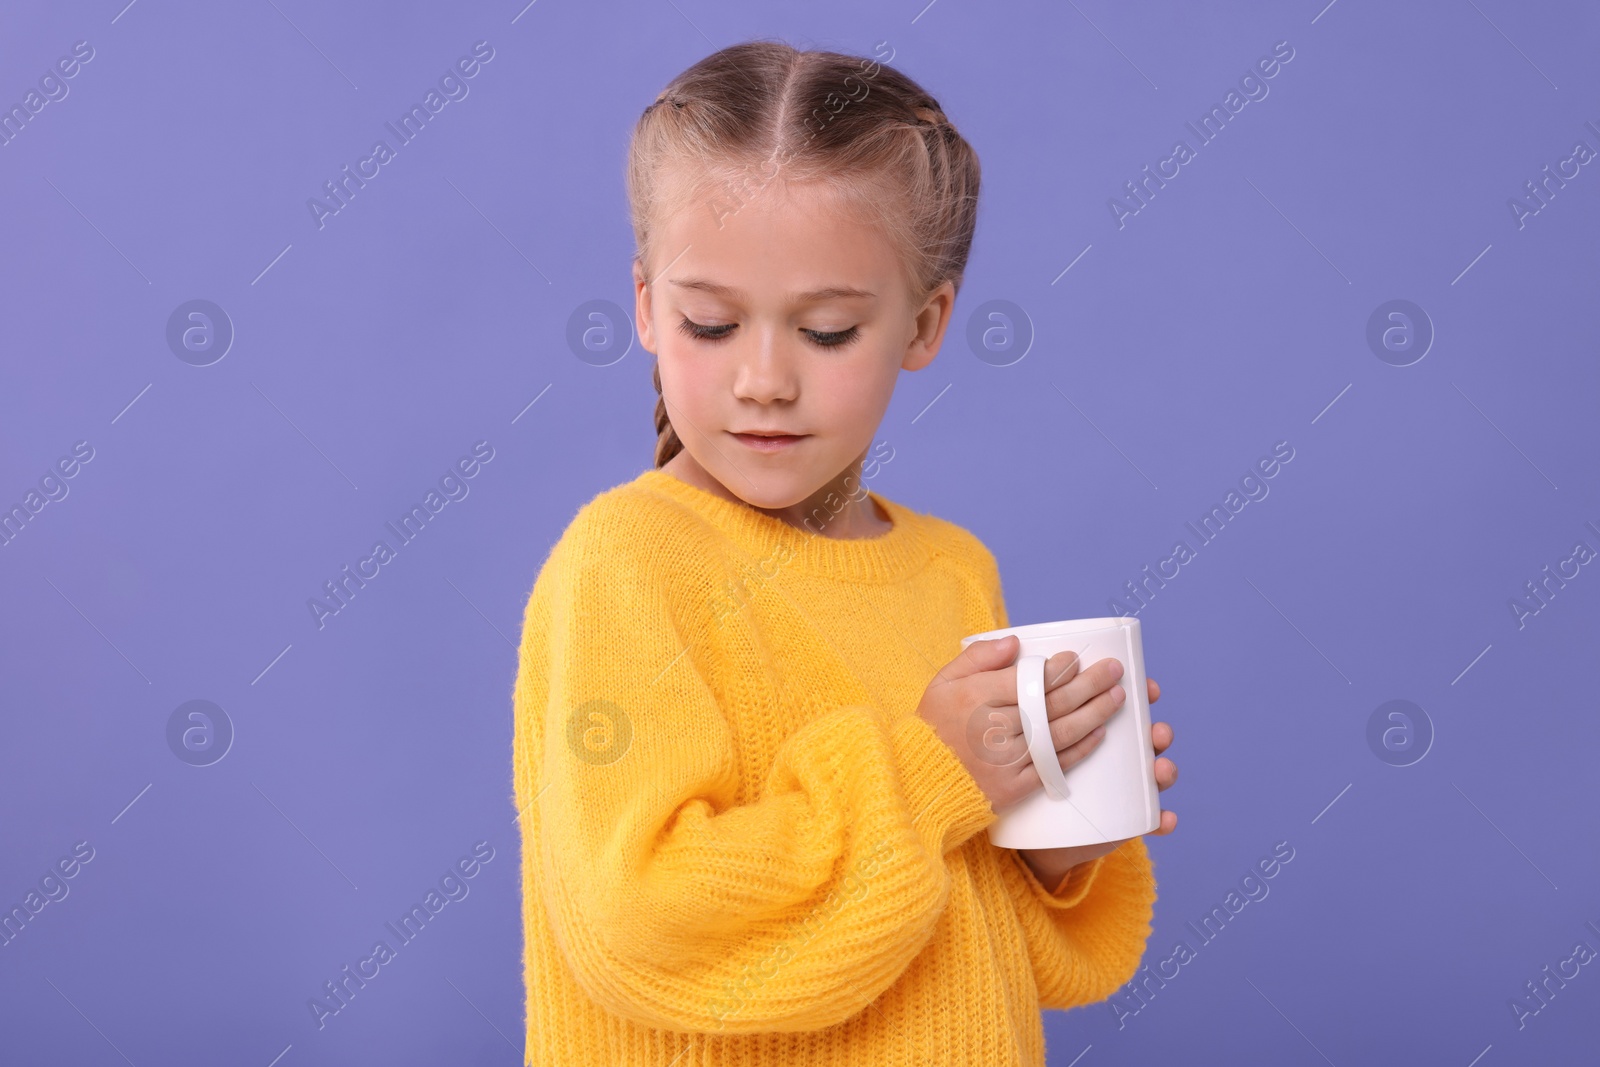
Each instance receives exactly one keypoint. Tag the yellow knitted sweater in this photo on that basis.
(740, 844)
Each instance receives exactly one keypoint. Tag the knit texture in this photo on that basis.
(740, 844)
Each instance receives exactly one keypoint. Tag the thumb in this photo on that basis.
(987, 656)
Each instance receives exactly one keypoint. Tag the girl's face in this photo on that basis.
(781, 314)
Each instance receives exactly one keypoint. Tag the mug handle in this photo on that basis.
(1036, 726)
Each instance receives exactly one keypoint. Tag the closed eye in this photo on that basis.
(823, 338)
(705, 333)
(834, 339)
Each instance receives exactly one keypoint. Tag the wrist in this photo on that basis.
(1049, 865)
(1052, 865)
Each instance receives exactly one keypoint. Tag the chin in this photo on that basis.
(770, 490)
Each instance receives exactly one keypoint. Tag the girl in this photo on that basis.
(751, 772)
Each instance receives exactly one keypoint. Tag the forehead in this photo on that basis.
(776, 239)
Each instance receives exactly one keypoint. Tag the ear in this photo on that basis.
(931, 321)
(642, 308)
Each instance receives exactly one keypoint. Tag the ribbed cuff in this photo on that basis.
(944, 797)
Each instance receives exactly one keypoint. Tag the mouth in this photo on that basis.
(773, 442)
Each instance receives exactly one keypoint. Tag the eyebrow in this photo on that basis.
(832, 292)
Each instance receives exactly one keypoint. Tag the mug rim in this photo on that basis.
(1059, 627)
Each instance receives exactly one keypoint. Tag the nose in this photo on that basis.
(766, 369)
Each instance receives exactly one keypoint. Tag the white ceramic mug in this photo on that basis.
(1111, 794)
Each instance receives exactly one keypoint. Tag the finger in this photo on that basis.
(996, 686)
(1166, 773)
(1154, 689)
(1069, 729)
(1083, 687)
(1161, 736)
(982, 656)
(1169, 823)
(1072, 754)
(1060, 669)
(999, 688)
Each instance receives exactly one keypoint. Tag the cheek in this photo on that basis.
(856, 395)
(686, 376)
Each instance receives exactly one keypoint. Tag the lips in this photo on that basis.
(768, 442)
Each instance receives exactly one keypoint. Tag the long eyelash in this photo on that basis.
(704, 333)
(834, 339)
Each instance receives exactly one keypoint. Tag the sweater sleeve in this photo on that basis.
(1087, 934)
(1086, 938)
(674, 904)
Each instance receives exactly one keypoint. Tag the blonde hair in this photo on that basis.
(750, 113)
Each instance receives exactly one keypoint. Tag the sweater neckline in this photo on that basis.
(890, 556)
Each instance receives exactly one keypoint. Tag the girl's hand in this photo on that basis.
(972, 705)
(1051, 865)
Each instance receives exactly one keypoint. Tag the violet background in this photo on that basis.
(433, 311)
